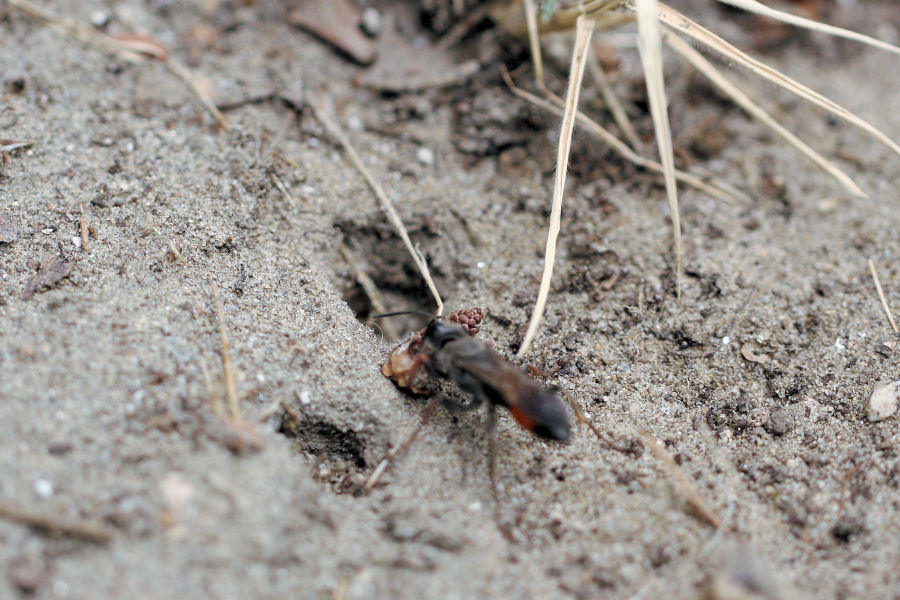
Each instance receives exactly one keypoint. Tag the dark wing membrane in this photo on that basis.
(535, 407)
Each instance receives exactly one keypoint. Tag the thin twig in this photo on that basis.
(193, 81)
(687, 487)
(386, 204)
(461, 29)
(887, 309)
(12, 145)
(369, 288)
(83, 226)
(227, 366)
(90, 531)
(283, 189)
(214, 401)
(131, 50)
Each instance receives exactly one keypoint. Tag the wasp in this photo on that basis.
(446, 349)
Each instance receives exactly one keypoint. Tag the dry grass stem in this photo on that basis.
(884, 304)
(90, 531)
(719, 189)
(761, 9)
(83, 229)
(214, 401)
(173, 248)
(386, 204)
(675, 20)
(650, 48)
(688, 489)
(534, 44)
(613, 103)
(127, 47)
(370, 289)
(199, 86)
(745, 102)
(509, 16)
(227, 366)
(584, 27)
(461, 29)
(283, 189)
(12, 145)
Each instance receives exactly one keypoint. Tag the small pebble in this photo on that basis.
(100, 18)
(354, 123)
(43, 488)
(76, 241)
(884, 400)
(371, 22)
(425, 156)
(304, 397)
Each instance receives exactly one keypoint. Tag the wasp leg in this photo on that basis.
(397, 450)
(492, 471)
(492, 447)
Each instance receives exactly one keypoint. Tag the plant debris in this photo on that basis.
(47, 277)
(883, 402)
(407, 67)
(337, 23)
(55, 524)
(9, 228)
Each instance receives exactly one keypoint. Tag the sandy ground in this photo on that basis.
(106, 414)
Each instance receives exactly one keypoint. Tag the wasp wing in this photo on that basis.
(480, 370)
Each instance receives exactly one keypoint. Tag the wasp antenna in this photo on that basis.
(421, 313)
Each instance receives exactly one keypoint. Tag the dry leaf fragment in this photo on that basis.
(12, 145)
(142, 44)
(47, 277)
(9, 228)
(405, 67)
(337, 23)
(753, 352)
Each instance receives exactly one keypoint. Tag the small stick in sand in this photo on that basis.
(230, 387)
(90, 531)
(687, 487)
(214, 400)
(887, 309)
(176, 253)
(132, 48)
(370, 289)
(84, 230)
(283, 189)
